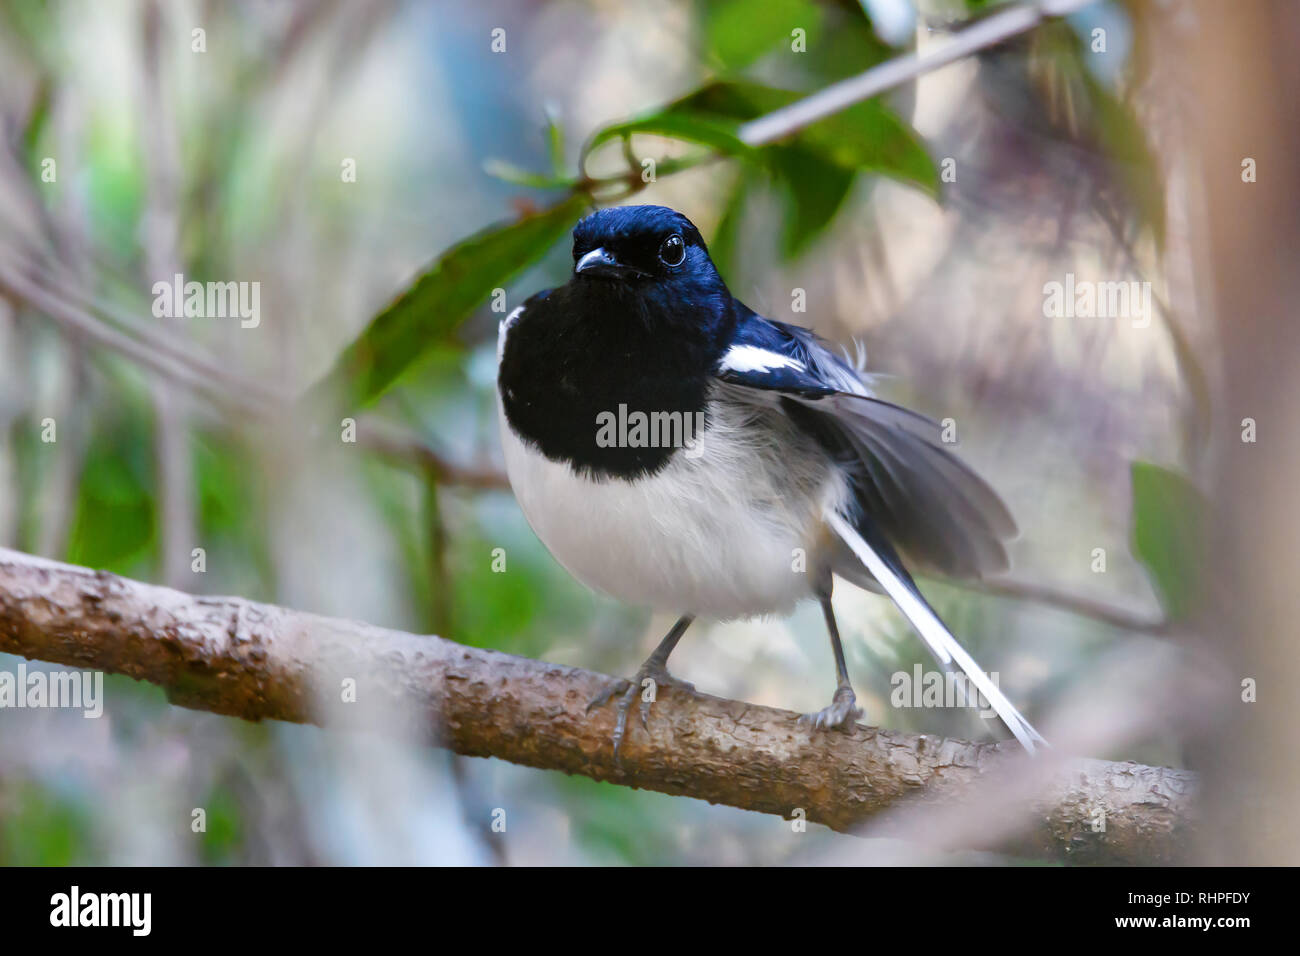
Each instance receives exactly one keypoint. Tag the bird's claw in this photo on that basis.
(840, 715)
(610, 689)
(629, 690)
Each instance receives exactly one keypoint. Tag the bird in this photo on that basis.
(678, 451)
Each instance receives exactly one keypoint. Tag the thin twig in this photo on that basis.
(81, 324)
(154, 338)
(985, 33)
(403, 446)
(1064, 600)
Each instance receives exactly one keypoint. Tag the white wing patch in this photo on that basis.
(504, 329)
(751, 358)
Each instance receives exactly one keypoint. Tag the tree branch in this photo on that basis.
(256, 661)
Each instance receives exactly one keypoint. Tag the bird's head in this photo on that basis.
(647, 251)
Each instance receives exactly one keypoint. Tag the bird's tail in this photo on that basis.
(898, 584)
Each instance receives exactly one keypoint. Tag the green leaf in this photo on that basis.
(866, 136)
(518, 176)
(816, 167)
(870, 137)
(555, 144)
(740, 31)
(722, 247)
(815, 190)
(1168, 521)
(736, 100)
(715, 133)
(439, 300)
(846, 46)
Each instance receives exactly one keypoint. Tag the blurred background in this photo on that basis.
(330, 152)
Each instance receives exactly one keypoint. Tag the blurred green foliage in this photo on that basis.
(113, 524)
(222, 835)
(40, 827)
(1168, 525)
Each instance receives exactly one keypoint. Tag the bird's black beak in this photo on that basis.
(598, 262)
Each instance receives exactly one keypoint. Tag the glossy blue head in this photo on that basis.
(653, 258)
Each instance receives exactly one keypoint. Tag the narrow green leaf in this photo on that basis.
(518, 176)
(1125, 142)
(715, 133)
(439, 300)
(555, 144)
(1168, 521)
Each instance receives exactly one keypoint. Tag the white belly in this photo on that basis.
(730, 533)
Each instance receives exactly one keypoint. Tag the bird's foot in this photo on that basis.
(841, 714)
(646, 684)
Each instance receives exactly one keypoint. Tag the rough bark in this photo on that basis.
(256, 661)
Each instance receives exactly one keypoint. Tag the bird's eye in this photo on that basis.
(673, 251)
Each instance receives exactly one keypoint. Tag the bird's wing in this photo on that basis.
(910, 493)
(926, 502)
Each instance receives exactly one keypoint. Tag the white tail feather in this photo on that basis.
(932, 630)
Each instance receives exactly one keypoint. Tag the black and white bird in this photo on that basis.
(676, 450)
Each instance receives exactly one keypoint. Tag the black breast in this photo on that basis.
(591, 377)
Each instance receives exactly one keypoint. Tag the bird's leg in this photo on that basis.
(844, 709)
(654, 670)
